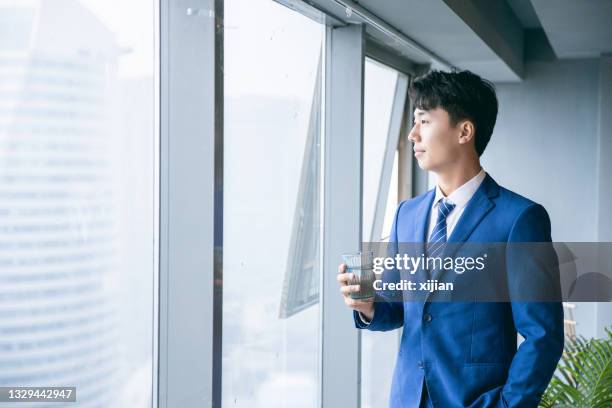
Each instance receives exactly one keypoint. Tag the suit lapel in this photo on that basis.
(422, 219)
(477, 208)
(474, 212)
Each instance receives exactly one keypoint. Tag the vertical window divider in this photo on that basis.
(342, 196)
(191, 203)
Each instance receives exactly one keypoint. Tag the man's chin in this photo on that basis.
(424, 165)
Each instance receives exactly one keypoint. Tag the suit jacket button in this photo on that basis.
(427, 317)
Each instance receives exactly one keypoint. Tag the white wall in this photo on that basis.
(547, 145)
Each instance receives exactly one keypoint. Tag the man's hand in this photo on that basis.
(366, 307)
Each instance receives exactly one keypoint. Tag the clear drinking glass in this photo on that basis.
(360, 264)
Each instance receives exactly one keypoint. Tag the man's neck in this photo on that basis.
(449, 181)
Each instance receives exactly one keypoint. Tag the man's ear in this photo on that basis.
(467, 131)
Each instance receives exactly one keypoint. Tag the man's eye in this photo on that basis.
(424, 121)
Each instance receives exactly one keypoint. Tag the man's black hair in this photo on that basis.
(464, 95)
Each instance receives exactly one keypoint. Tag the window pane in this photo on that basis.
(379, 92)
(392, 200)
(271, 206)
(378, 349)
(77, 202)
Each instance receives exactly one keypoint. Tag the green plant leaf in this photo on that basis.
(584, 375)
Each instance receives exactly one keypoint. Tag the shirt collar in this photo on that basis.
(463, 194)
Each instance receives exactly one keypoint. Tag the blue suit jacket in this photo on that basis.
(466, 351)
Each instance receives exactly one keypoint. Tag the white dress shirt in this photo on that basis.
(460, 197)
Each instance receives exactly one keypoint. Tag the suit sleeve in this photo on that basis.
(388, 310)
(538, 317)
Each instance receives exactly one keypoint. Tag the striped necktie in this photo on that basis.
(437, 239)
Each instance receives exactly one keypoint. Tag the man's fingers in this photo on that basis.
(344, 277)
(348, 289)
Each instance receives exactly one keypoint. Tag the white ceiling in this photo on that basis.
(444, 27)
(576, 28)
(490, 37)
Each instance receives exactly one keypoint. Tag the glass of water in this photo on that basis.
(361, 265)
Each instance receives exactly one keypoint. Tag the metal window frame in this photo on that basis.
(385, 56)
(342, 197)
(190, 225)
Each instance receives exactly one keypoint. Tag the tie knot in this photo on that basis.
(445, 207)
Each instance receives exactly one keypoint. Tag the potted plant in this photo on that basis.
(584, 375)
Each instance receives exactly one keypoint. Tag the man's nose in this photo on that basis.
(414, 136)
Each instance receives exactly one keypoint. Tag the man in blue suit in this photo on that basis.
(464, 354)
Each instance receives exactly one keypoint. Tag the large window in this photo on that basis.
(77, 202)
(271, 219)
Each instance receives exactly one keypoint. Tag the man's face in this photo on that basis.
(436, 142)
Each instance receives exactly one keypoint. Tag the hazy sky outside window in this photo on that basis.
(271, 59)
(77, 202)
(379, 93)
